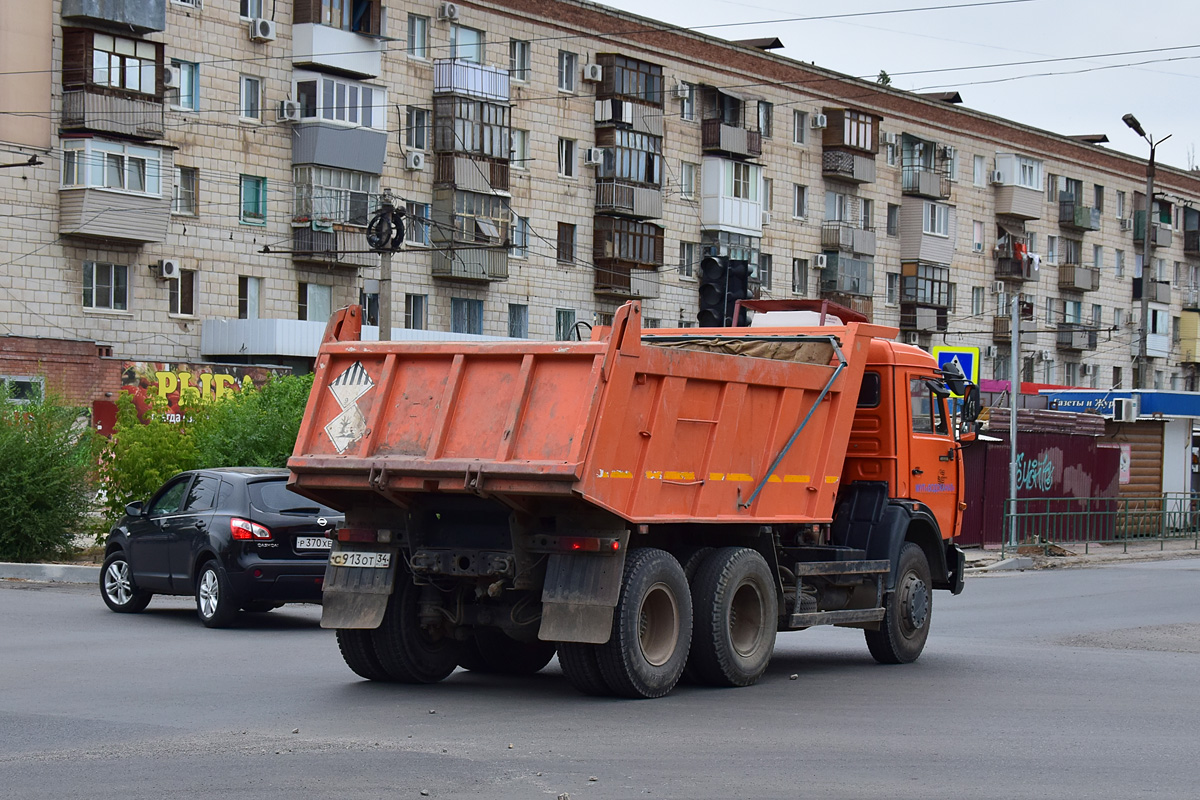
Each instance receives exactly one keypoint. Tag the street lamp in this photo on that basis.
(1140, 375)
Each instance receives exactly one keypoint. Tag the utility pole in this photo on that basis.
(385, 234)
(1014, 393)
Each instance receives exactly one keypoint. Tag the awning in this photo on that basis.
(1011, 229)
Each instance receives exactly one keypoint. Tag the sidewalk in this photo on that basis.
(984, 561)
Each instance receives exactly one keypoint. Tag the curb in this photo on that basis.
(52, 573)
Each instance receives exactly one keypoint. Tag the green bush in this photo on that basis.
(47, 452)
(253, 427)
(140, 456)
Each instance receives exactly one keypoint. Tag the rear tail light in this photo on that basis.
(246, 530)
(368, 535)
(575, 544)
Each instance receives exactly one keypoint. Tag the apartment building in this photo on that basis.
(208, 168)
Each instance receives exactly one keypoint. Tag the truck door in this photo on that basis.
(934, 477)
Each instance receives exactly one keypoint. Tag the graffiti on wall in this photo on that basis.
(1036, 473)
(195, 382)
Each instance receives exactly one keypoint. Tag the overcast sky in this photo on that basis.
(1164, 95)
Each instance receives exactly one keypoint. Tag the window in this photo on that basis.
(1120, 205)
(340, 100)
(368, 298)
(466, 315)
(858, 130)
(764, 271)
(414, 311)
(867, 217)
(741, 180)
(248, 292)
(254, 200)
(1118, 317)
(479, 217)
(1097, 256)
(520, 237)
(1052, 249)
(979, 173)
(187, 96)
(687, 259)
(568, 66)
(518, 321)
(977, 301)
(250, 106)
(103, 164)
(1051, 316)
(252, 8)
(799, 127)
(799, 201)
(800, 276)
(519, 155)
(768, 194)
(1073, 312)
(23, 389)
(418, 36)
(566, 158)
(977, 236)
(631, 78)
(937, 219)
(1119, 263)
(687, 103)
(1097, 315)
(334, 195)
(418, 224)
(518, 60)
(184, 193)
(105, 286)
(416, 128)
(893, 219)
(566, 243)
(564, 323)
(687, 179)
(924, 408)
(1098, 198)
(890, 154)
(927, 284)
(466, 44)
(120, 63)
(631, 156)
(314, 302)
(893, 289)
(1029, 173)
(766, 118)
(182, 294)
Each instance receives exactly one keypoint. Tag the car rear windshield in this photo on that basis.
(275, 497)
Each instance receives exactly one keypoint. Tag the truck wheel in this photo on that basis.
(492, 652)
(652, 627)
(408, 652)
(691, 565)
(117, 588)
(358, 651)
(579, 663)
(736, 610)
(905, 627)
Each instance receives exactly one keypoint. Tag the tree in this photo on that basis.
(884, 79)
(142, 454)
(254, 427)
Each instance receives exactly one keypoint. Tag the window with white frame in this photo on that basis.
(187, 96)
(466, 44)
(688, 174)
(249, 290)
(687, 103)
(1120, 204)
(416, 128)
(340, 101)
(800, 276)
(1052, 249)
(977, 236)
(687, 258)
(105, 286)
(566, 158)
(418, 36)
(185, 192)
(251, 9)
(936, 220)
(1097, 256)
(1029, 173)
(979, 171)
(1119, 263)
(103, 164)
(742, 180)
(519, 153)
(768, 194)
(519, 60)
(568, 66)
(799, 127)
(414, 311)
(23, 389)
(564, 323)
(314, 302)
(250, 105)
(1118, 318)
(977, 301)
(520, 237)
(764, 271)
(799, 201)
(332, 195)
(181, 294)
(766, 118)
(1097, 314)
(121, 63)
(253, 200)
(892, 296)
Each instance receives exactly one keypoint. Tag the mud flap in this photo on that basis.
(579, 595)
(356, 597)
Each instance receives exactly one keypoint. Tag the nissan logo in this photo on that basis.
(322, 521)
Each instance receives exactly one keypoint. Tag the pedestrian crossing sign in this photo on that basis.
(967, 358)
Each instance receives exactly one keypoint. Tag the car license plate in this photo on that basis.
(313, 543)
(355, 559)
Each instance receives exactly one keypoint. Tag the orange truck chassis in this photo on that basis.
(644, 504)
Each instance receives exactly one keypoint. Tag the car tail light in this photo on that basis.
(245, 529)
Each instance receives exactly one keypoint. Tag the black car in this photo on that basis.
(236, 538)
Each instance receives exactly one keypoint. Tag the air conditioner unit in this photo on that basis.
(1126, 223)
(262, 30)
(997, 287)
(289, 111)
(817, 121)
(414, 161)
(990, 351)
(1045, 355)
(978, 247)
(168, 269)
(593, 156)
(593, 72)
(1125, 409)
(447, 11)
(1087, 370)
(766, 218)
(911, 337)
(681, 91)
(947, 152)
(997, 176)
(891, 138)
(820, 261)
(171, 77)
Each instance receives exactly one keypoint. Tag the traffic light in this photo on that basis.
(714, 273)
(737, 288)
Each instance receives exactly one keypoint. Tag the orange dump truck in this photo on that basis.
(649, 504)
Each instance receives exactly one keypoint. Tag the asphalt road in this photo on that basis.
(1063, 684)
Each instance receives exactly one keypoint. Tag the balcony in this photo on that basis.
(1159, 291)
(84, 109)
(917, 245)
(1002, 327)
(850, 167)
(137, 16)
(1078, 278)
(854, 302)
(1019, 202)
(1075, 337)
(1011, 266)
(848, 276)
(849, 238)
(326, 47)
(1160, 232)
(1189, 337)
(327, 145)
(121, 216)
(624, 282)
(1076, 216)
(1191, 243)
(342, 247)
(924, 182)
(717, 137)
(615, 196)
(641, 118)
(922, 318)
(470, 79)
(480, 264)
(471, 174)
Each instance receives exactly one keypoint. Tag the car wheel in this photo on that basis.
(214, 605)
(117, 588)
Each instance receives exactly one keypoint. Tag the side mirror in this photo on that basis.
(971, 403)
(955, 379)
(135, 509)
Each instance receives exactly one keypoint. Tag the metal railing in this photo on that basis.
(1072, 521)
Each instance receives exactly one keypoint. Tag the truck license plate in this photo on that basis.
(355, 559)
(313, 543)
